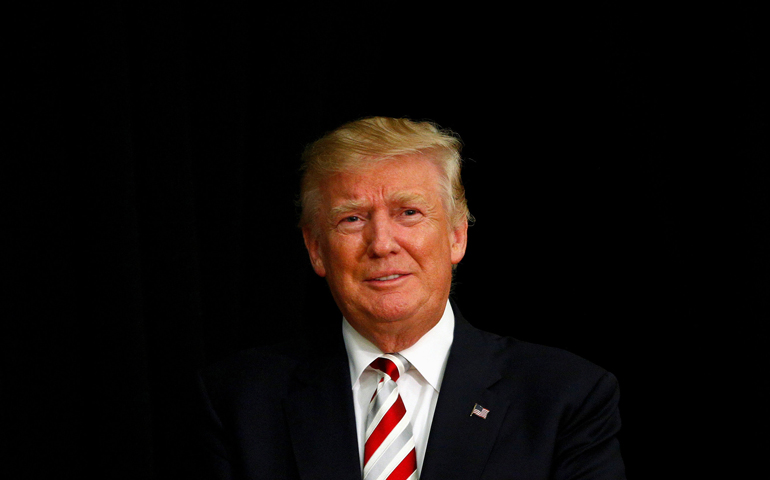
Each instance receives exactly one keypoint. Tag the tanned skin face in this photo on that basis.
(384, 243)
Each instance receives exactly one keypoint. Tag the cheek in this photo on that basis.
(437, 253)
(342, 256)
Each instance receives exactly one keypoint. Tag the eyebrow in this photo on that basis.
(346, 207)
(398, 197)
(408, 197)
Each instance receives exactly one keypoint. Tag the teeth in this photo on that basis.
(389, 277)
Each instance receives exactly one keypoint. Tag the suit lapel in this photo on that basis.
(459, 442)
(321, 420)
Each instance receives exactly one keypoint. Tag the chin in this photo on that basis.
(392, 311)
(395, 308)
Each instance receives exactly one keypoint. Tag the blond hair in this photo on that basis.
(361, 143)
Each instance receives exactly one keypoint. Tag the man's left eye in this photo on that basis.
(410, 212)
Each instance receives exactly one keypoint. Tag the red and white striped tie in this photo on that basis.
(389, 450)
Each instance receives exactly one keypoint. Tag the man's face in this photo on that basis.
(386, 247)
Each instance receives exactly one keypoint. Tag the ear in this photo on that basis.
(314, 250)
(459, 240)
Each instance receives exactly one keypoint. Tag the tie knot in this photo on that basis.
(391, 364)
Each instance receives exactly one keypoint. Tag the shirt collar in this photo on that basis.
(429, 355)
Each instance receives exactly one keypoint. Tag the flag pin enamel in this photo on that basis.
(479, 411)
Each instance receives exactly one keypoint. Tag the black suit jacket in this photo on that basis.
(286, 412)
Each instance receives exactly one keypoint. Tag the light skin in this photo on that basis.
(385, 245)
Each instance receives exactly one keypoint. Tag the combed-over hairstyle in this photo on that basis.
(361, 143)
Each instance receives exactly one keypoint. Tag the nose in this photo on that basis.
(381, 237)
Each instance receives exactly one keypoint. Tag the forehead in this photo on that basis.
(397, 179)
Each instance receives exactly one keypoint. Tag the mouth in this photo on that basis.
(387, 278)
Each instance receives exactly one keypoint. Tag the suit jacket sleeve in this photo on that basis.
(259, 416)
(242, 433)
(212, 460)
(586, 445)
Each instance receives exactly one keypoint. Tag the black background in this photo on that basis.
(616, 163)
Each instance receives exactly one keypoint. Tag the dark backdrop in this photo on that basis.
(616, 165)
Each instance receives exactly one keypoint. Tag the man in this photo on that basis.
(405, 388)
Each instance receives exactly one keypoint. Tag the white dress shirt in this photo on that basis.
(419, 387)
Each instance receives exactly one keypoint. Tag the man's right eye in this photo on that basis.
(351, 219)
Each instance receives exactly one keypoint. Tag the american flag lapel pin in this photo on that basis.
(479, 411)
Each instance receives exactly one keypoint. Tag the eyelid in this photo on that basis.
(343, 218)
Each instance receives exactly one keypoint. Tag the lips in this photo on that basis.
(386, 277)
(389, 277)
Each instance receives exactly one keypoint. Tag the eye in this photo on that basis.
(411, 216)
(350, 224)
